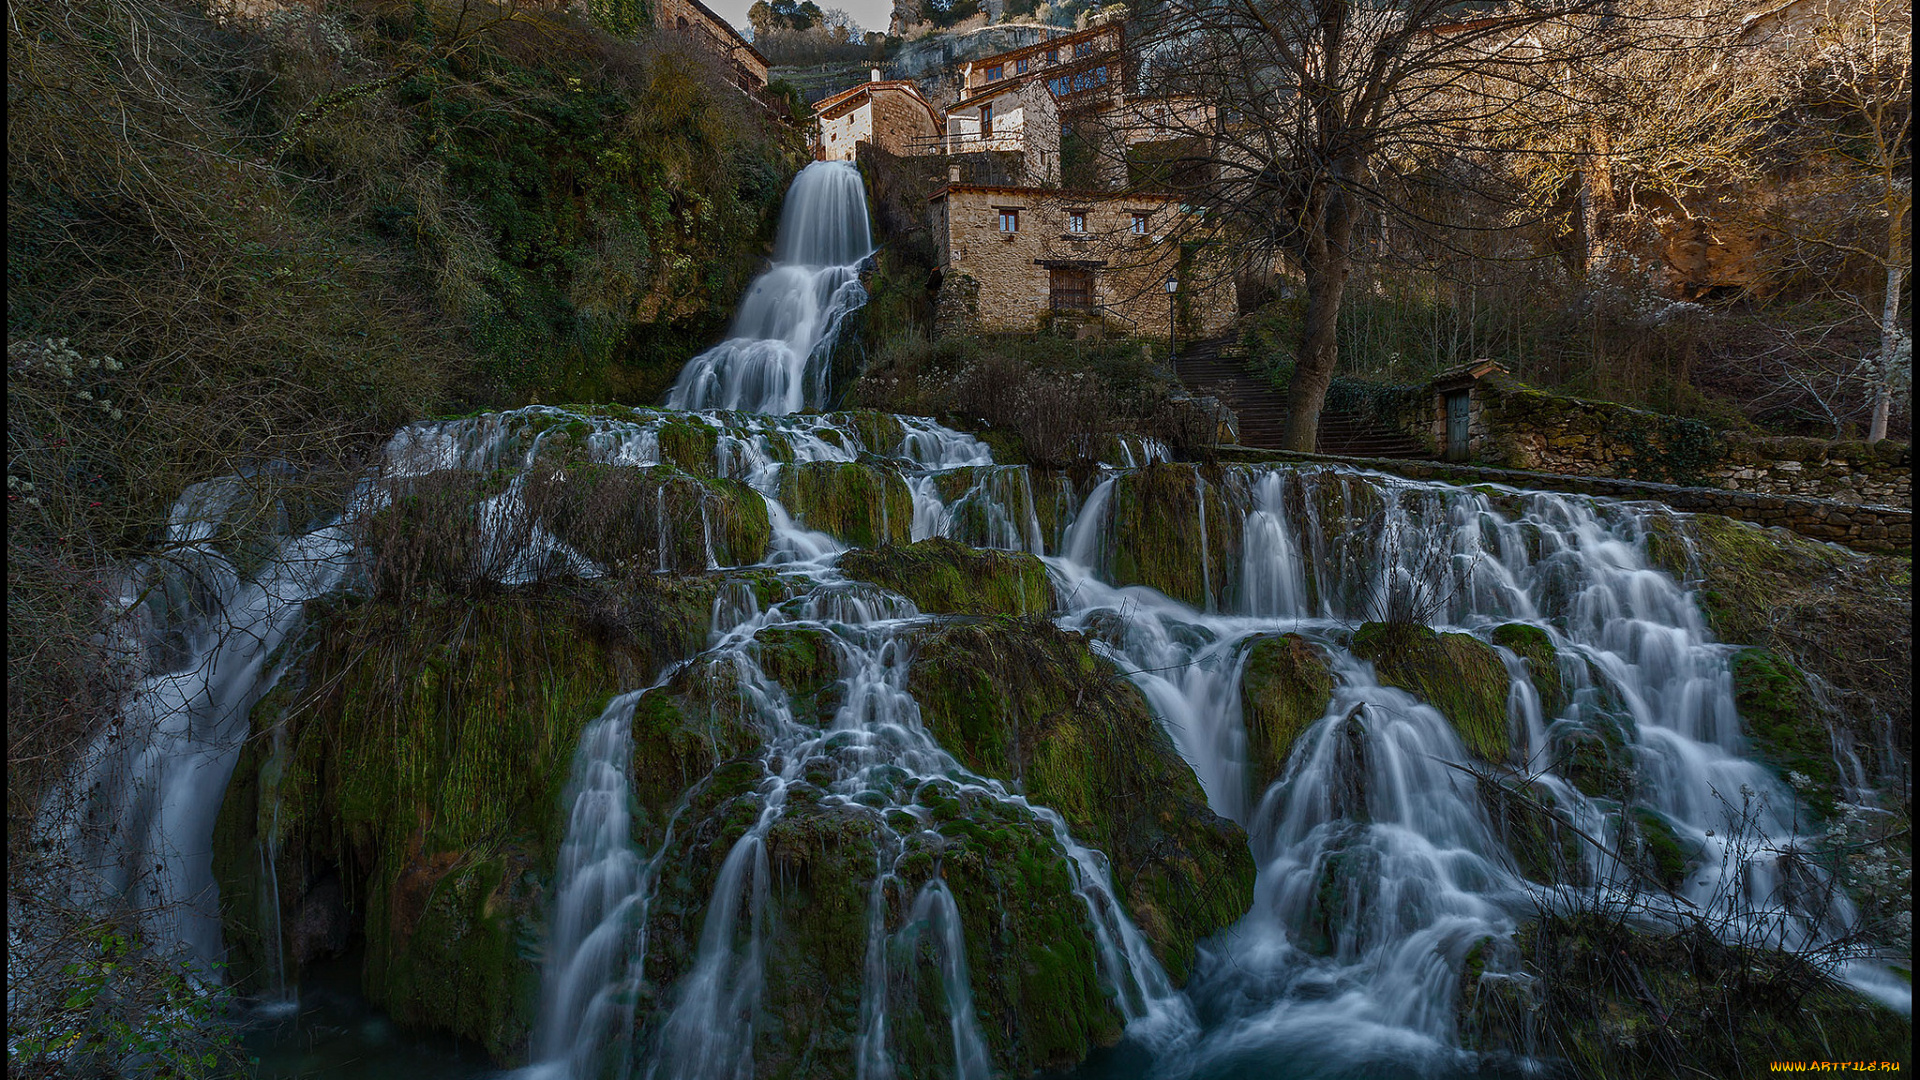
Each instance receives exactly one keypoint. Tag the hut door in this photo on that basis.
(1457, 426)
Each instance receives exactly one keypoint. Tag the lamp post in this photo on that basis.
(1173, 286)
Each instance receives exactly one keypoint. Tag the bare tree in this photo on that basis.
(1318, 127)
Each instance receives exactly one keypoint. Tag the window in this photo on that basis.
(1070, 289)
(995, 73)
(1139, 224)
(1053, 56)
(681, 23)
(1009, 219)
(1077, 221)
(986, 121)
(1082, 48)
(1020, 66)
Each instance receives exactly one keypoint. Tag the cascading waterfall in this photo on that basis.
(146, 794)
(1378, 867)
(777, 357)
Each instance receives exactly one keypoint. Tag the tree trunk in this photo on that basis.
(1883, 381)
(1327, 267)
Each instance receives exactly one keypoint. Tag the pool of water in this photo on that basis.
(331, 1031)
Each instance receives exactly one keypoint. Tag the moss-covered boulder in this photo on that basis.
(1595, 754)
(948, 578)
(1843, 617)
(858, 504)
(1786, 724)
(1285, 685)
(650, 517)
(1030, 704)
(1153, 533)
(1032, 955)
(1534, 829)
(1458, 674)
(1663, 855)
(417, 794)
(1532, 644)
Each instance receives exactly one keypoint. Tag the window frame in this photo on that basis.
(1142, 223)
(1020, 66)
(1069, 299)
(1009, 219)
(996, 73)
(1077, 222)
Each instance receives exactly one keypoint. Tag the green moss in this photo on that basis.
(880, 433)
(689, 445)
(860, 505)
(1285, 686)
(1155, 523)
(1026, 702)
(1533, 828)
(1595, 755)
(1533, 645)
(1458, 674)
(942, 576)
(613, 514)
(805, 664)
(1667, 858)
(427, 746)
(1786, 726)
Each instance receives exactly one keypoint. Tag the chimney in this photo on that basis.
(876, 75)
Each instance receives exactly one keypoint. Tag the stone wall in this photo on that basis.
(1013, 269)
(1523, 428)
(1863, 528)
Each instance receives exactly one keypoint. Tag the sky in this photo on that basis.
(870, 14)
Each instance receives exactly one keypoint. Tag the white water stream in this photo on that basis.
(1373, 803)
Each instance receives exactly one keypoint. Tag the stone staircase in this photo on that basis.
(1217, 368)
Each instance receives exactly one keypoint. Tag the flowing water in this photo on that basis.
(1376, 802)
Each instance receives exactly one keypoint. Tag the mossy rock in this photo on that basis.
(688, 444)
(879, 433)
(458, 930)
(1595, 755)
(860, 505)
(1664, 856)
(1626, 1003)
(1532, 644)
(679, 738)
(428, 744)
(1154, 526)
(613, 514)
(804, 661)
(1032, 953)
(1534, 829)
(948, 578)
(1786, 725)
(1457, 674)
(1285, 685)
(1030, 704)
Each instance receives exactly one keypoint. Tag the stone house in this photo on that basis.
(716, 35)
(890, 114)
(1014, 116)
(1082, 66)
(1021, 258)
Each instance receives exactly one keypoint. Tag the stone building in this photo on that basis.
(716, 35)
(1021, 258)
(889, 114)
(1015, 117)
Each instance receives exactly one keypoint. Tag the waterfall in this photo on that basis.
(1378, 867)
(146, 793)
(776, 358)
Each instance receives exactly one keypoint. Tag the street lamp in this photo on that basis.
(1173, 286)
